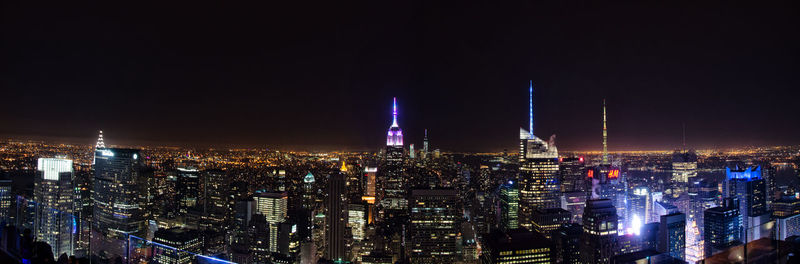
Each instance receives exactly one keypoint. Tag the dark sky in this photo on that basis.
(305, 75)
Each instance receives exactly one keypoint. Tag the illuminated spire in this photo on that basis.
(530, 109)
(100, 144)
(394, 112)
(344, 167)
(394, 136)
(605, 135)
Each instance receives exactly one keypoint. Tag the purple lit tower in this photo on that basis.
(395, 135)
(394, 189)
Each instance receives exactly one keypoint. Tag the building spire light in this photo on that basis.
(530, 108)
(100, 143)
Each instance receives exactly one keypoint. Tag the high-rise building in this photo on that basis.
(672, 235)
(5, 200)
(188, 188)
(545, 221)
(599, 231)
(274, 207)
(509, 206)
(605, 160)
(572, 173)
(567, 239)
(748, 186)
(115, 195)
(394, 187)
(787, 226)
(722, 227)
(412, 154)
(519, 246)
(55, 222)
(176, 246)
(216, 205)
(639, 207)
(435, 225)
(786, 206)
(538, 172)
(335, 218)
(425, 145)
(684, 166)
(574, 202)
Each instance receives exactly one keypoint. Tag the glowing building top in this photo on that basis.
(344, 167)
(309, 178)
(749, 174)
(100, 144)
(395, 134)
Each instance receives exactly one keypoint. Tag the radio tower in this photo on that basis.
(605, 135)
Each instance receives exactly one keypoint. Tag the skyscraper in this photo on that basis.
(188, 187)
(395, 186)
(605, 160)
(684, 166)
(599, 231)
(509, 206)
(116, 200)
(672, 235)
(538, 173)
(425, 145)
(640, 207)
(547, 220)
(435, 225)
(5, 200)
(55, 222)
(335, 218)
(722, 227)
(748, 186)
(216, 205)
(274, 207)
(176, 246)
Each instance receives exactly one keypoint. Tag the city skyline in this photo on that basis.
(182, 78)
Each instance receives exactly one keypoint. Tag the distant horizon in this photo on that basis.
(331, 148)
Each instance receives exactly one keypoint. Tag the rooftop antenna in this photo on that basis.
(684, 136)
(530, 108)
(605, 135)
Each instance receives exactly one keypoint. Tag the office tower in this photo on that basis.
(572, 173)
(509, 206)
(273, 206)
(747, 185)
(411, 153)
(335, 218)
(5, 201)
(116, 200)
(435, 225)
(545, 221)
(672, 235)
(663, 208)
(574, 202)
(649, 235)
(684, 166)
(538, 173)
(394, 188)
(242, 215)
(567, 239)
(519, 246)
(55, 223)
(356, 220)
(786, 206)
(188, 188)
(722, 227)
(607, 183)
(599, 231)
(425, 145)
(176, 246)
(370, 181)
(216, 210)
(787, 226)
(309, 192)
(639, 208)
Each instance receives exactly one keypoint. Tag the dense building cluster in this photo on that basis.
(397, 204)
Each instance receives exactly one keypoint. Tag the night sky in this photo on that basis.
(307, 75)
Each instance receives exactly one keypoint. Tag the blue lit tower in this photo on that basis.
(747, 185)
(538, 176)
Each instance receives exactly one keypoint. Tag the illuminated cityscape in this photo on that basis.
(531, 133)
